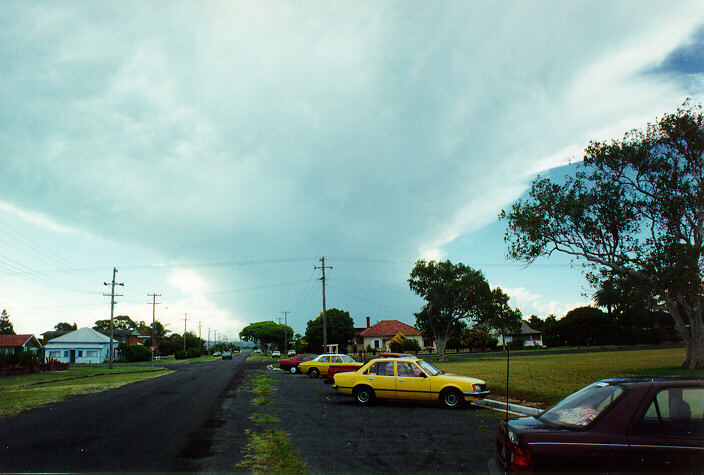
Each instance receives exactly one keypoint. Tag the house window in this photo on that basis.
(54, 354)
(80, 353)
(66, 354)
(376, 343)
(92, 354)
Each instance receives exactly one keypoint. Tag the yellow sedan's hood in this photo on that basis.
(458, 379)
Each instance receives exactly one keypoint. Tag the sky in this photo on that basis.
(213, 152)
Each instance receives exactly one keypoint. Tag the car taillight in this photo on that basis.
(521, 459)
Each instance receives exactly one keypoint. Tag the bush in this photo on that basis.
(193, 353)
(411, 346)
(180, 355)
(137, 353)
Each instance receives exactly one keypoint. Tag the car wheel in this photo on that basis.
(364, 395)
(314, 372)
(451, 398)
(293, 370)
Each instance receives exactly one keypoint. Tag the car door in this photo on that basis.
(380, 376)
(322, 364)
(411, 382)
(670, 434)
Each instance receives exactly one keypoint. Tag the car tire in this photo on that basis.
(293, 370)
(314, 372)
(451, 398)
(364, 395)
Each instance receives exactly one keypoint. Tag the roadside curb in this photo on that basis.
(513, 409)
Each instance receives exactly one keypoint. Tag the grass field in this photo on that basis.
(547, 379)
(19, 393)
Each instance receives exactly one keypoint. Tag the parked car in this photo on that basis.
(226, 355)
(409, 378)
(291, 352)
(258, 350)
(319, 366)
(291, 365)
(276, 354)
(217, 353)
(614, 425)
(395, 355)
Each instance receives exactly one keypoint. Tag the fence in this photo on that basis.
(30, 369)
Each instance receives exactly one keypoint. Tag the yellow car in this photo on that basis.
(409, 378)
(320, 365)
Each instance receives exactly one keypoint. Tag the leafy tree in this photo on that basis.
(65, 327)
(265, 333)
(411, 345)
(585, 326)
(535, 323)
(397, 343)
(340, 327)
(478, 338)
(454, 293)
(633, 208)
(5, 324)
(120, 322)
(503, 319)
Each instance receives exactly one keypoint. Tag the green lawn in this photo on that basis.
(75, 371)
(547, 379)
(21, 396)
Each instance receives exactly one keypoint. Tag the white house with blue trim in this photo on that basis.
(84, 345)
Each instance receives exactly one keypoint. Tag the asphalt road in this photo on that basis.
(162, 424)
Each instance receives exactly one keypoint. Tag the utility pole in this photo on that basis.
(154, 304)
(199, 328)
(112, 309)
(325, 322)
(185, 319)
(215, 337)
(286, 312)
(208, 340)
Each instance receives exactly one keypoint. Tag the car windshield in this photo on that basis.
(347, 359)
(428, 368)
(580, 409)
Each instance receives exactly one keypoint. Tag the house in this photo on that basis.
(84, 345)
(11, 344)
(530, 336)
(377, 336)
(50, 335)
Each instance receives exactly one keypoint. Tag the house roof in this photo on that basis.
(526, 330)
(14, 340)
(390, 327)
(82, 335)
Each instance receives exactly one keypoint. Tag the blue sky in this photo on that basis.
(213, 152)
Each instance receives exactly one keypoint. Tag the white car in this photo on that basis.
(276, 353)
(291, 352)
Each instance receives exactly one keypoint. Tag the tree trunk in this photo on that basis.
(441, 342)
(690, 327)
(695, 344)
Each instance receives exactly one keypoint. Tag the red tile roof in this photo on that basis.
(390, 328)
(14, 340)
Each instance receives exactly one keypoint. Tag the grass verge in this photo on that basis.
(270, 451)
(76, 371)
(21, 398)
(548, 378)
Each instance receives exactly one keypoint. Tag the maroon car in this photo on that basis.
(291, 364)
(615, 425)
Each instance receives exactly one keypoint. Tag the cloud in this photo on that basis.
(531, 303)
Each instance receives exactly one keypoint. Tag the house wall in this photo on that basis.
(85, 352)
(383, 344)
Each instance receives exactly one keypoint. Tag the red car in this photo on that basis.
(626, 425)
(291, 365)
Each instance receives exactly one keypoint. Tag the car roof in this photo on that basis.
(652, 379)
(411, 358)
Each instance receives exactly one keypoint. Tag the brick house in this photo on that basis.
(377, 336)
(11, 344)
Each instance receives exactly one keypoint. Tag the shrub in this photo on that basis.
(193, 353)
(137, 353)
(411, 346)
(180, 355)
